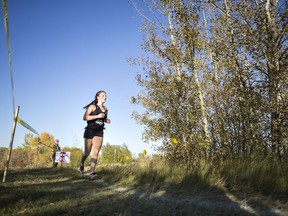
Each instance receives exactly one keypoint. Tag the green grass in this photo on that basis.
(266, 177)
(148, 187)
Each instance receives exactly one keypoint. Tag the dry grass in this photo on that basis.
(146, 188)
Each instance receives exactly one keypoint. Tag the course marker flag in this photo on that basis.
(62, 157)
(24, 124)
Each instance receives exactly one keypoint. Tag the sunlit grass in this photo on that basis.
(241, 176)
(122, 188)
(161, 174)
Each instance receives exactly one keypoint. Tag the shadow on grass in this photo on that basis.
(193, 195)
(62, 191)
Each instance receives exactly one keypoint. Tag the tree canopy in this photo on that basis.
(215, 78)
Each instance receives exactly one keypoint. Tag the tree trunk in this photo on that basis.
(272, 56)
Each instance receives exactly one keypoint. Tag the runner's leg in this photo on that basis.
(97, 144)
(87, 150)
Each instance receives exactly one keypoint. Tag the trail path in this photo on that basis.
(182, 204)
(63, 192)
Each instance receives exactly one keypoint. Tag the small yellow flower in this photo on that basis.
(127, 157)
(174, 141)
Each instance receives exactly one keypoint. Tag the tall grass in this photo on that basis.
(266, 177)
(155, 173)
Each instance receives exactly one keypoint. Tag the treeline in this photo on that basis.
(37, 151)
(215, 79)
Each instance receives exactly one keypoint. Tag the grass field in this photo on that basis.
(62, 191)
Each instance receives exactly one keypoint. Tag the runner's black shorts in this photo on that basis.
(90, 133)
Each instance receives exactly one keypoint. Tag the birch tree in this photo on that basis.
(256, 41)
(173, 83)
(215, 78)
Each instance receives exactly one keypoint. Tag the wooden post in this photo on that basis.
(11, 143)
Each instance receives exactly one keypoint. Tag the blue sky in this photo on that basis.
(63, 52)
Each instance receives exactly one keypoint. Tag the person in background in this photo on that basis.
(56, 148)
(96, 115)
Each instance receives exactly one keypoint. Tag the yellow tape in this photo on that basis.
(24, 124)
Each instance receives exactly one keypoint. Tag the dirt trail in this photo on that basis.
(179, 204)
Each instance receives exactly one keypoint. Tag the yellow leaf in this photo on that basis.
(174, 141)
(144, 152)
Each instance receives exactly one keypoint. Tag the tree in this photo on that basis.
(175, 100)
(115, 154)
(252, 43)
(215, 78)
(38, 149)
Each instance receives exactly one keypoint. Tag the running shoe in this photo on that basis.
(92, 176)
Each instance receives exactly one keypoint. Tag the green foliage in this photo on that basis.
(38, 150)
(23, 157)
(75, 157)
(3, 156)
(216, 81)
(115, 154)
